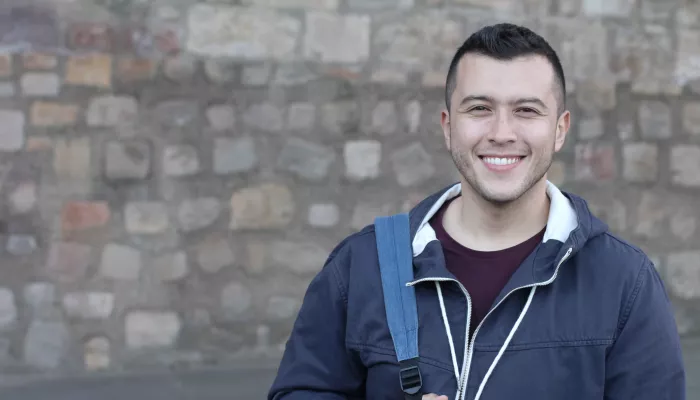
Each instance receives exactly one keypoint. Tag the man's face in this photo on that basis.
(502, 128)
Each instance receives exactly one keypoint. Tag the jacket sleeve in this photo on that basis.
(316, 363)
(645, 362)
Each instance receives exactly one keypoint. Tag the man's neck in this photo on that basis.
(480, 225)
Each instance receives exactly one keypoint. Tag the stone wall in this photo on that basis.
(173, 173)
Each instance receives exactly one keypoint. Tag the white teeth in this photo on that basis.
(501, 161)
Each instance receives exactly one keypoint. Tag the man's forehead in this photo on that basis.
(519, 77)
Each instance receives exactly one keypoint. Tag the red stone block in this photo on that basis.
(82, 215)
(91, 36)
(595, 162)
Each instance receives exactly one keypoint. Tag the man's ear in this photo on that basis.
(563, 125)
(445, 123)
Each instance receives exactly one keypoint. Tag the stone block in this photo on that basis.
(365, 212)
(412, 165)
(46, 84)
(171, 267)
(135, 69)
(613, 8)
(418, 42)
(72, 158)
(293, 4)
(306, 160)
(39, 61)
(111, 110)
(220, 71)
(232, 156)
(91, 36)
(12, 132)
(266, 117)
(340, 117)
(378, 5)
(22, 199)
(265, 206)
(655, 120)
(40, 297)
(213, 254)
(7, 89)
(146, 217)
(645, 55)
(180, 68)
(5, 65)
(256, 75)
(176, 114)
(294, 73)
(683, 223)
(236, 300)
(127, 159)
(198, 213)
(657, 10)
(221, 117)
(88, 305)
(298, 257)
(385, 118)
(412, 114)
(281, 308)
(685, 165)
(39, 144)
(683, 274)
(180, 160)
(152, 329)
(691, 118)
(93, 70)
(362, 159)
(247, 33)
(21, 245)
(596, 95)
(46, 344)
(120, 262)
(640, 162)
(591, 128)
(45, 114)
(8, 309)
(301, 117)
(68, 262)
(595, 162)
(651, 216)
(97, 354)
(323, 215)
(84, 215)
(333, 38)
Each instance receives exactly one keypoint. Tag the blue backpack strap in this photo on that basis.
(396, 266)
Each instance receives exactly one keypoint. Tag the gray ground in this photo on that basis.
(248, 383)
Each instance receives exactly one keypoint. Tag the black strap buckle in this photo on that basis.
(411, 379)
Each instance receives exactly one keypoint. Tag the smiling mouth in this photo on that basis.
(501, 164)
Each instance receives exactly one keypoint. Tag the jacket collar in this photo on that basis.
(569, 225)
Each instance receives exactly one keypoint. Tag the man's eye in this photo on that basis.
(528, 111)
(479, 108)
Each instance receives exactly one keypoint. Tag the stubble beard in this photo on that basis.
(466, 170)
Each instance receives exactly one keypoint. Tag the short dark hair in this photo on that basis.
(506, 42)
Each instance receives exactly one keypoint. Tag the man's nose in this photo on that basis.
(502, 130)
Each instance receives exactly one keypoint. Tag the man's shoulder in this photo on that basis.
(610, 254)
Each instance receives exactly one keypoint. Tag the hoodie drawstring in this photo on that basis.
(467, 347)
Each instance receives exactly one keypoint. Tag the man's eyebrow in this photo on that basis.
(469, 98)
(534, 100)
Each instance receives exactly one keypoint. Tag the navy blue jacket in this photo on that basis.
(595, 322)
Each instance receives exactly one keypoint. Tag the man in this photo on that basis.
(521, 292)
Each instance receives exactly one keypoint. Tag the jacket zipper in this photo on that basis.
(470, 343)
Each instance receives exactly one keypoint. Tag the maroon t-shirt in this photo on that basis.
(483, 273)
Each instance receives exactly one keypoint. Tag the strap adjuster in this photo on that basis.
(411, 379)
